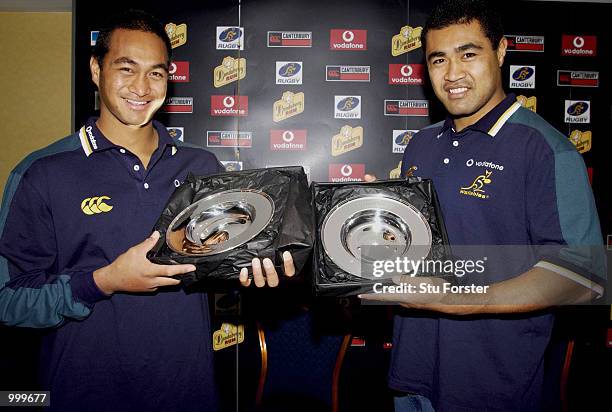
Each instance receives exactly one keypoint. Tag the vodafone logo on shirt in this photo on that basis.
(348, 39)
(406, 74)
(344, 172)
(225, 105)
(578, 45)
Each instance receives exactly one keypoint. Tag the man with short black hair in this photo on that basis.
(122, 334)
(504, 177)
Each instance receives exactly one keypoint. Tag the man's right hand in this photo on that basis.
(133, 272)
(369, 178)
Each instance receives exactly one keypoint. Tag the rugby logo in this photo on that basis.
(231, 165)
(230, 38)
(401, 138)
(577, 111)
(522, 77)
(347, 107)
(288, 72)
(177, 133)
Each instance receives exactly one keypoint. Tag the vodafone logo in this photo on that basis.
(406, 74)
(228, 101)
(348, 39)
(582, 45)
(288, 136)
(178, 72)
(406, 70)
(348, 36)
(346, 170)
(224, 105)
(579, 42)
(343, 172)
(288, 140)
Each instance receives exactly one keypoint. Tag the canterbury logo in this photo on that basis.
(95, 205)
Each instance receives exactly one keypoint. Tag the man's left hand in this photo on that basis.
(270, 277)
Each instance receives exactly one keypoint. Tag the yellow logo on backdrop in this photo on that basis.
(397, 172)
(406, 40)
(95, 205)
(476, 188)
(229, 71)
(177, 34)
(289, 105)
(349, 138)
(528, 102)
(228, 335)
(582, 140)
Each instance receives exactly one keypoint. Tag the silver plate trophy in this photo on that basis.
(395, 228)
(220, 222)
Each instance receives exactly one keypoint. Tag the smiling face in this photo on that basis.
(465, 71)
(133, 79)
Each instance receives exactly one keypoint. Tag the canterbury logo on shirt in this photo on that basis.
(95, 205)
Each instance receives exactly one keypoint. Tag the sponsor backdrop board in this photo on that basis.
(269, 82)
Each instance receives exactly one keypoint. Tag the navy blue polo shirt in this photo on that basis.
(509, 179)
(70, 209)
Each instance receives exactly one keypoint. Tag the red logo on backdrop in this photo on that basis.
(525, 43)
(177, 105)
(287, 139)
(342, 172)
(347, 73)
(406, 74)
(224, 105)
(289, 39)
(348, 39)
(406, 108)
(578, 45)
(178, 72)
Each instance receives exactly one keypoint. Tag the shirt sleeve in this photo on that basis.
(562, 216)
(33, 293)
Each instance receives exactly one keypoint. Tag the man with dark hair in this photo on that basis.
(122, 334)
(504, 177)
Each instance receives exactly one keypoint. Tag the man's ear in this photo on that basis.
(501, 50)
(94, 66)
